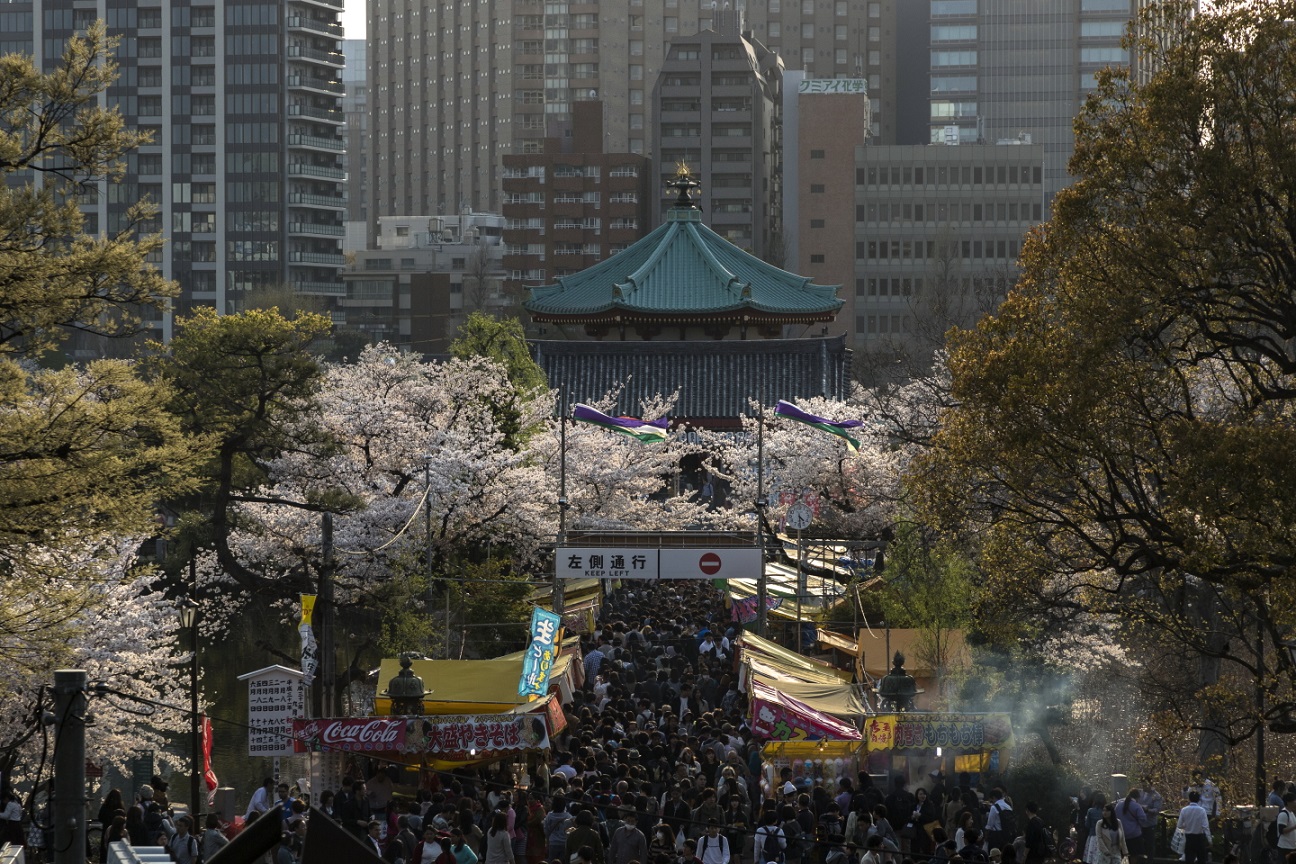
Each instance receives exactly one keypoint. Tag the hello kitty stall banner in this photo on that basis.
(778, 717)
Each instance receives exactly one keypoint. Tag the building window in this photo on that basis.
(816, 223)
(1104, 55)
(807, 31)
(816, 154)
(963, 58)
(816, 259)
(953, 33)
(816, 188)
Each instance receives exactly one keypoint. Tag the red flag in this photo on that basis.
(209, 776)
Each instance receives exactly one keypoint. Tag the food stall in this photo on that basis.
(915, 744)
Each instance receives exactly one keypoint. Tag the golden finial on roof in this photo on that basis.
(683, 184)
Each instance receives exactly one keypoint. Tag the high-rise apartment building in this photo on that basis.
(456, 86)
(243, 103)
(355, 108)
(718, 103)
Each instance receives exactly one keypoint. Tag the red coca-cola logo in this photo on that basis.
(364, 733)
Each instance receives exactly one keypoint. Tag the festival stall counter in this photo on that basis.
(439, 743)
(809, 764)
(915, 744)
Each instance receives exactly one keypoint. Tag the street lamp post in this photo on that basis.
(189, 621)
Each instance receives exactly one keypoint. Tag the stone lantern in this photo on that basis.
(405, 690)
(897, 689)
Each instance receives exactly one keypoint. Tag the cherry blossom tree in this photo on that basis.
(856, 494)
(614, 481)
(404, 435)
(122, 632)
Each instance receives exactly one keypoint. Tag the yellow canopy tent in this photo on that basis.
(458, 686)
(575, 593)
(811, 749)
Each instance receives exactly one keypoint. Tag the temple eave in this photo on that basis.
(677, 318)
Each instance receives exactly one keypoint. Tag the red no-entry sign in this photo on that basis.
(709, 563)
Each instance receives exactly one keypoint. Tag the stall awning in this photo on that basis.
(844, 701)
(780, 717)
(767, 667)
(776, 654)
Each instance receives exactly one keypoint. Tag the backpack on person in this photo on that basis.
(773, 848)
(1007, 821)
(1271, 830)
(792, 831)
(702, 844)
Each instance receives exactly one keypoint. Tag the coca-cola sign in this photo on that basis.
(351, 734)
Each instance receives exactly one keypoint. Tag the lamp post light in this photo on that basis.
(188, 610)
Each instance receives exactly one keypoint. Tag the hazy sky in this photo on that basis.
(353, 19)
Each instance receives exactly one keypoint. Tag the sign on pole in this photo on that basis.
(540, 653)
(276, 697)
(607, 562)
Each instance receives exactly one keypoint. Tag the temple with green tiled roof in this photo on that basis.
(683, 281)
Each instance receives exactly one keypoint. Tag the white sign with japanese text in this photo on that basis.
(276, 697)
(737, 562)
(605, 562)
(833, 85)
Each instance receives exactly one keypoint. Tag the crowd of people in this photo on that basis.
(656, 765)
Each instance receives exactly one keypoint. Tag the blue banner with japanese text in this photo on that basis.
(540, 653)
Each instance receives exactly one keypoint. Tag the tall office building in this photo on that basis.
(242, 100)
(825, 121)
(456, 86)
(1020, 69)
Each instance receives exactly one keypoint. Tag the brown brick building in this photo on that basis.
(572, 205)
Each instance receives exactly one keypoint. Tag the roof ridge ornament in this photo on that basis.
(683, 184)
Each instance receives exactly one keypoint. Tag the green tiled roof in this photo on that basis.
(683, 266)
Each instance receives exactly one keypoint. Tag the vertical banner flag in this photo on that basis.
(539, 658)
(209, 776)
(645, 431)
(840, 428)
(309, 649)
